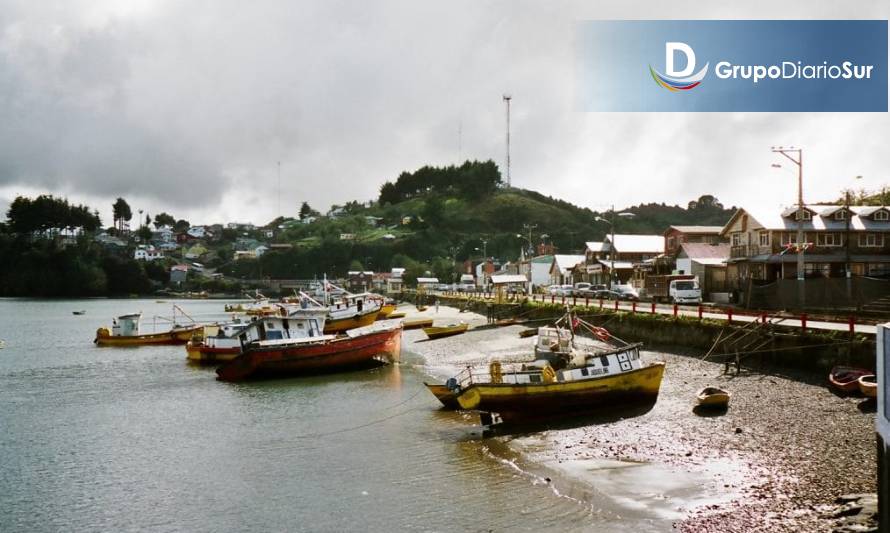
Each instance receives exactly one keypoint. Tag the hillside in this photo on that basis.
(426, 221)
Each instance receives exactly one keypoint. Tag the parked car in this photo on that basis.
(579, 287)
(626, 292)
(685, 291)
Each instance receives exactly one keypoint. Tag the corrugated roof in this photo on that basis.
(697, 229)
(618, 264)
(542, 259)
(427, 280)
(595, 246)
(565, 262)
(784, 220)
(638, 244)
(697, 251)
(498, 279)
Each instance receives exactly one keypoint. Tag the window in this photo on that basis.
(764, 238)
(803, 214)
(829, 239)
(736, 239)
(841, 215)
(882, 215)
(871, 240)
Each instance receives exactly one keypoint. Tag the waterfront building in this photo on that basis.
(675, 236)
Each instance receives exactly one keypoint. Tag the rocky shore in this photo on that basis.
(776, 460)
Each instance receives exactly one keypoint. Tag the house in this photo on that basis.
(427, 283)
(394, 282)
(359, 281)
(164, 234)
(675, 236)
(372, 221)
(147, 253)
(198, 232)
(269, 233)
(705, 261)
(308, 220)
(620, 252)
(561, 268)
(178, 273)
(110, 241)
(764, 244)
(347, 236)
(336, 212)
(241, 226)
(540, 270)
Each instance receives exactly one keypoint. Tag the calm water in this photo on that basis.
(133, 439)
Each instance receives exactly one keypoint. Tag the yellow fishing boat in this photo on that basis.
(445, 395)
(386, 310)
(125, 331)
(397, 315)
(528, 394)
(437, 332)
(358, 320)
(713, 397)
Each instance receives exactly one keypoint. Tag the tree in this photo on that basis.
(181, 226)
(305, 211)
(122, 213)
(144, 233)
(147, 220)
(163, 219)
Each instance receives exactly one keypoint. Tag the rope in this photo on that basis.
(367, 424)
(788, 348)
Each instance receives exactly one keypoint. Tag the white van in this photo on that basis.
(683, 291)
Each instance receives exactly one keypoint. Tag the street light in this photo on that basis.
(611, 223)
(801, 295)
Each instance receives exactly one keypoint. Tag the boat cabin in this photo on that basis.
(126, 325)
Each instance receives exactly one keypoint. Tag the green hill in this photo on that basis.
(435, 218)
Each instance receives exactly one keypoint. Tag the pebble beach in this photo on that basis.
(776, 460)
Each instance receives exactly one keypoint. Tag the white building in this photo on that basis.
(198, 232)
(147, 253)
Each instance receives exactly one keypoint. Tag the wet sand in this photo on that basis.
(774, 461)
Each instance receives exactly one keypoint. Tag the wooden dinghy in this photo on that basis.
(846, 378)
(868, 385)
(395, 315)
(417, 323)
(713, 397)
(438, 332)
(526, 333)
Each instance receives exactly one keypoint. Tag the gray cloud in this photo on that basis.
(187, 107)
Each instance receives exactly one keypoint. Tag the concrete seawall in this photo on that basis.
(780, 346)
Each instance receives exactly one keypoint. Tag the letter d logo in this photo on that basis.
(669, 50)
(682, 80)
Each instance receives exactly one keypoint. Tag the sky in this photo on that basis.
(189, 107)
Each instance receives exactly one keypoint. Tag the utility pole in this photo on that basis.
(507, 99)
(460, 148)
(800, 210)
(279, 188)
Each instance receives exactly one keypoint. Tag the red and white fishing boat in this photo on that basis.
(364, 347)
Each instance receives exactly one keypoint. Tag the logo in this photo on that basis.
(683, 80)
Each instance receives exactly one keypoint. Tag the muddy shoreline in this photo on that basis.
(774, 461)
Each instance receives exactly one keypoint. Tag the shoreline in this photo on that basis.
(775, 461)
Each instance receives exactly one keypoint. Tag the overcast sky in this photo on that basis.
(188, 106)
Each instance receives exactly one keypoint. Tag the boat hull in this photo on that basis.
(445, 331)
(339, 325)
(200, 352)
(444, 395)
(340, 354)
(385, 311)
(869, 389)
(179, 336)
(515, 403)
(713, 399)
(846, 379)
(417, 323)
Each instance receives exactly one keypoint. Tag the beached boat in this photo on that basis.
(444, 394)
(526, 333)
(125, 331)
(395, 315)
(417, 323)
(713, 397)
(386, 310)
(364, 347)
(81, 312)
(437, 332)
(224, 342)
(536, 391)
(846, 378)
(868, 385)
